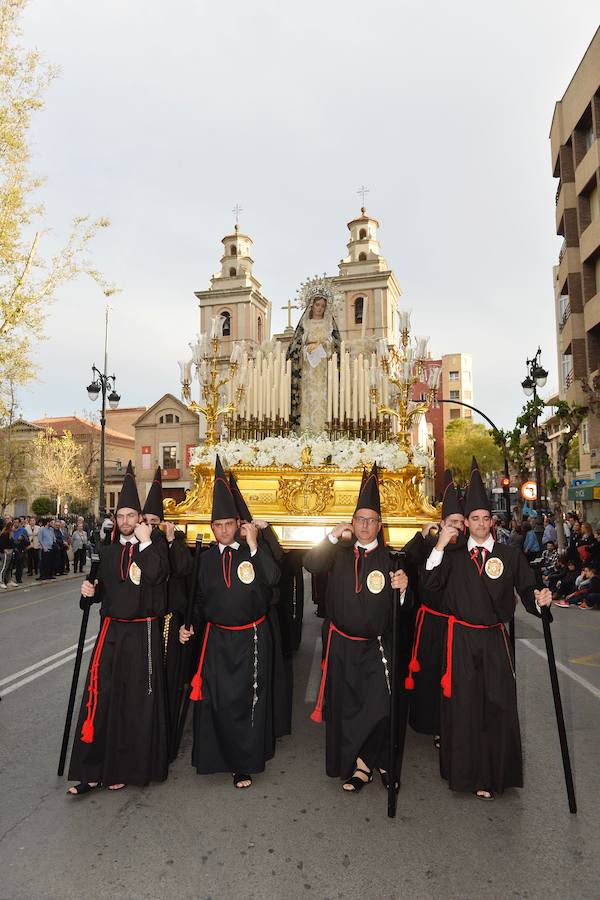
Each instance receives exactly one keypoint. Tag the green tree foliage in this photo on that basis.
(42, 506)
(463, 440)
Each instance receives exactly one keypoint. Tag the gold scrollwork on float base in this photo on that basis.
(309, 495)
(402, 497)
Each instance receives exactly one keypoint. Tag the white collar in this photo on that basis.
(129, 540)
(368, 547)
(488, 544)
(234, 546)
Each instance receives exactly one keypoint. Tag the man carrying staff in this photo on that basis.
(180, 569)
(425, 666)
(355, 685)
(481, 742)
(233, 686)
(121, 735)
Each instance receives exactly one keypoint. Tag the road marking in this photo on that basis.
(593, 660)
(42, 662)
(61, 662)
(562, 668)
(314, 676)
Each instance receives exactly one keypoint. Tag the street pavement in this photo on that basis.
(294, 833)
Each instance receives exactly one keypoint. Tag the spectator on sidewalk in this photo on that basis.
(33, 551)
(590, 598)
(531, 547)
(21, 542)
(7, 546)
(47, 538)
(502, 533)
(587, 546)
(549, 534)
(79, 542)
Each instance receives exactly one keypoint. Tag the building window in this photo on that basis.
(567, 369)
(259, 330)
(232, 272)
(362, 257)
(454, 376)
(226, 315)
(584, 433)
(161, 421)
(169, 456)
(233, 250)
(362, 234)
(111, 500)
(359, 304)
(455, 395)
(589, 138)
(455, 413)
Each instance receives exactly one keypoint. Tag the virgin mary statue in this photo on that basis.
(315, 339)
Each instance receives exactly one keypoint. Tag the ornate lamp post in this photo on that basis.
(102, 383)
(536, 378)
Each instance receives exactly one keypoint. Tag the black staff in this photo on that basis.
(558, 708)
(397, 716)
(183, 709)
(84, 603)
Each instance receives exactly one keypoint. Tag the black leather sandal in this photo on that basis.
(237, 782)
(82, 788)
(357, 784)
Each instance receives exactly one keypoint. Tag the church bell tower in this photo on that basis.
(236, 294)
(370, 288)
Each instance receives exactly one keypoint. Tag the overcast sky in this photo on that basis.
(168, 114)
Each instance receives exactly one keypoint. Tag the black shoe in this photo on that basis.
(356, 784)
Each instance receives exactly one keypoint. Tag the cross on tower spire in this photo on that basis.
(363, 191)
(237, 209)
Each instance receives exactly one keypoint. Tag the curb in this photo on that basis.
(32, 582)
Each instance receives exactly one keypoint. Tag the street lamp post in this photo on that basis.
(102, 383)
(506, 479)
(536, 378)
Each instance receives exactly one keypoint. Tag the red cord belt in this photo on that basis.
(196, 693)
(317, 713)
(87, 729)
(414, 665)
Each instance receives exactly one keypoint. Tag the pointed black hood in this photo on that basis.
(477, 496)
(368, 497)
(223, 505)
(128, 495)
(451, 502)
(243, 511)
(154, 500)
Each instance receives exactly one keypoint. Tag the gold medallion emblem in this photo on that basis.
(135, 573)
(494, 567)
(376, 581)
(245, 572)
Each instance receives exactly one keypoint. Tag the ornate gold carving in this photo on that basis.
(403, 497)
(199, 498)
(310, 495)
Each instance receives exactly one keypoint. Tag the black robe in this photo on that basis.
(425, 696)
(178, 587)
(481, 741)
(231, 733)
(130, 725)
(357, 697)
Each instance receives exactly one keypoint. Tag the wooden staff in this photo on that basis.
(85, 604)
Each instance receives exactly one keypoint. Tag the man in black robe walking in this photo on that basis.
(121, 734)
(480, 736)
(355, 685)
(233, 686)
(425, 666)
(180, 561)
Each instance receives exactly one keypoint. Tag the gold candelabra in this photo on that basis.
(404, 367)
(205, 358)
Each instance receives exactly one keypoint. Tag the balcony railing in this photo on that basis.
(569, 379)
(565, 315)
(557, 193)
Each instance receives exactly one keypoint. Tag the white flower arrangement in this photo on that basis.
(346, 454)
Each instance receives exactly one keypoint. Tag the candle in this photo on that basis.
(329, 389)
(360, 377)
(342, 382)
(336, 386)
(348, 406)
(355, 390)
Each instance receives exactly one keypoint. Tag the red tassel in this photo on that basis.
(196, 687)
(316, 715)
(409, 683)
(446, 685)
(87, 732)
(414, 665)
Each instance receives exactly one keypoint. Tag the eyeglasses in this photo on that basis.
(362, 521)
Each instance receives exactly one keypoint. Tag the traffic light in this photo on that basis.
(505, 482)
